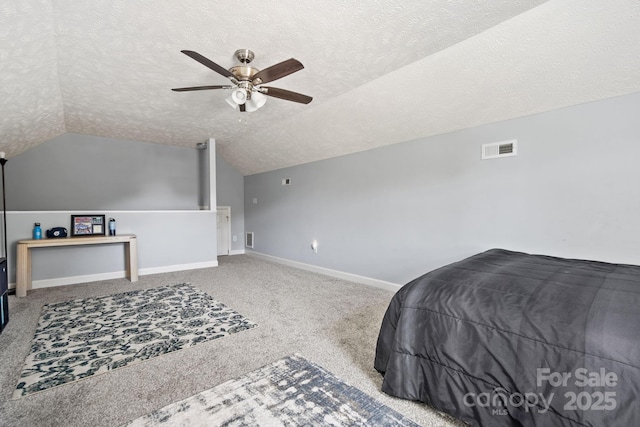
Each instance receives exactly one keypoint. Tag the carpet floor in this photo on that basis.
(331, 322)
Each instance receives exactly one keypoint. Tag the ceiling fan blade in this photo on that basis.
(187, 89)
(277, 71)
(209, 63)
(286, 94)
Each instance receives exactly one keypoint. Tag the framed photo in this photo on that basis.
(87, 225)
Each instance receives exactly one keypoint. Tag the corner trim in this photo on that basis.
(388, 286)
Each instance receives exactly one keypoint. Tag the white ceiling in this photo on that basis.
(380, 72)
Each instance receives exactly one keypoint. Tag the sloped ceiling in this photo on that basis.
(380, 72)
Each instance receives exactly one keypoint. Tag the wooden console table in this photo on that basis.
(23, 269)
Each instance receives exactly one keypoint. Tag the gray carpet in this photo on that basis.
(331, 322)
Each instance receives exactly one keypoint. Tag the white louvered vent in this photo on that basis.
(248, 239)
(499, 149)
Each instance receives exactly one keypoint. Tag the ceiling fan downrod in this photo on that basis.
(245, 56)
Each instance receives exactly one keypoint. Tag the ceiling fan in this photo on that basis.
(247, 93)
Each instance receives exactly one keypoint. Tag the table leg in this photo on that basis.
(131, 254)
(23, 270)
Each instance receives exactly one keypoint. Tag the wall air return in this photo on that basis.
(494, 150)
(248, 239)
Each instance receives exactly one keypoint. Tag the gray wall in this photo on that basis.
(150, 189)
(396, 212)
(167, 241)
(230, 192)
(76, 172)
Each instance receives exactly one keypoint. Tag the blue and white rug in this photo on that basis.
(86, 337)
(289, 392)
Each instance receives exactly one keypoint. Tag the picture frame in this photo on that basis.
(87, 225)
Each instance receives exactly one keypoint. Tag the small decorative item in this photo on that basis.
(57, 232)
(112, 227)
(87, 225)
(37, 231)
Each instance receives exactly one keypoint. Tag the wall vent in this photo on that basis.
(248, 239)
(286, 181)
(494, 150)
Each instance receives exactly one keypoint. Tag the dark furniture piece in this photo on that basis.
(4, 294)
(4, 281)
(510, 339)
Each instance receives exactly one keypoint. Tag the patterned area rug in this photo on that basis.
(86, 337)
(289, 392)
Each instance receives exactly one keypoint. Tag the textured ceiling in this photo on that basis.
(380, 72)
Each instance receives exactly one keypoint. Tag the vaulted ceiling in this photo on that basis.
(380, 72)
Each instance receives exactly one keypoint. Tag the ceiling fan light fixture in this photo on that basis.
(239, 96)
(231, 102)
(256, 101)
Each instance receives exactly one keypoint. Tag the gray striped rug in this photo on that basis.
(289, 392)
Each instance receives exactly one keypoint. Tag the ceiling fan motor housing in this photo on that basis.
(243, 72)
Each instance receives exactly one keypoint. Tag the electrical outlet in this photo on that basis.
(234, 238)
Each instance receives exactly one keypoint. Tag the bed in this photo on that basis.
(506, 338)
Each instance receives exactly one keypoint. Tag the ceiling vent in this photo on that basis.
(494, 150)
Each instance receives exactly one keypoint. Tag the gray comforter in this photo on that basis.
(507, 339)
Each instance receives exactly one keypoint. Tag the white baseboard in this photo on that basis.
(179, 267)
(237, 252)
(329, 272)
(62, 281)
